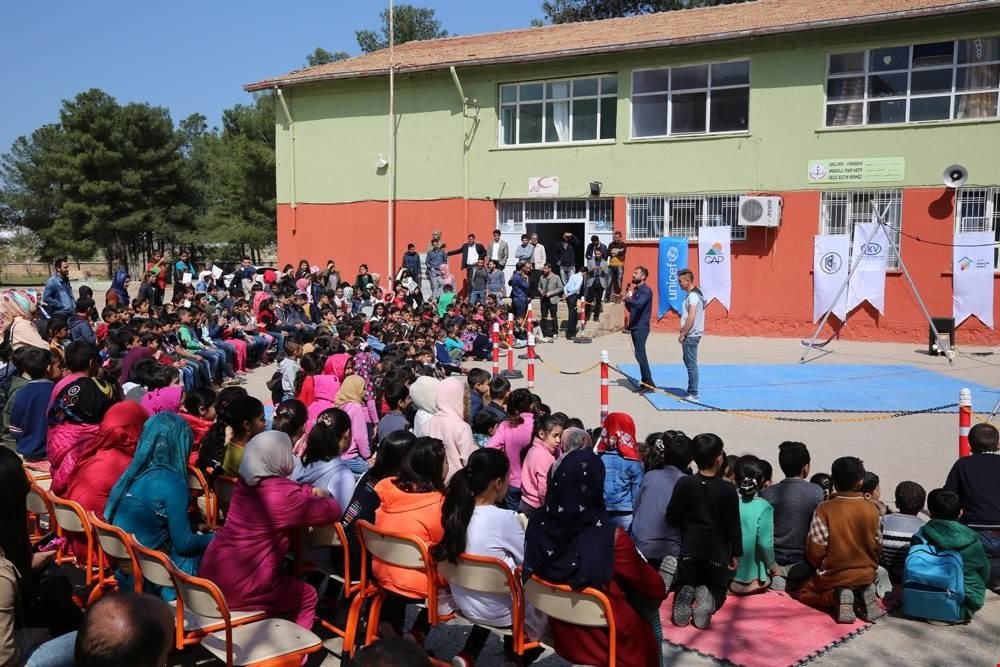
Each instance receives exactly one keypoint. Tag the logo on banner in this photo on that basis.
(714, 254)
(672, 254)
(871, 249)
(964, 264)
(831, 262)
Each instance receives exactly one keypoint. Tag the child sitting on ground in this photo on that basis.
(898, 528)
(705, 507)
(484, 426)
(945, 532)
(823, 481)
(757, 566)
(843, 545)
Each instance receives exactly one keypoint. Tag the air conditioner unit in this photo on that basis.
(759, 211)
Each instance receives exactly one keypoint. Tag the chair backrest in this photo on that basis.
(154, 565)
(113, 540)
(393, 548)
(326, 535)
(200, 595)
(481, 574)
(69, 516)
(587, 607)
(38, 500)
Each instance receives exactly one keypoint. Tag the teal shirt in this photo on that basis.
(757, 525)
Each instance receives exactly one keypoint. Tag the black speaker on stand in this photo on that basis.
(944, 325)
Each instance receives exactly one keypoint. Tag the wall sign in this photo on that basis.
(856, 170)
(543, 186)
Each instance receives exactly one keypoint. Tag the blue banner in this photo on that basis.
(673, 258)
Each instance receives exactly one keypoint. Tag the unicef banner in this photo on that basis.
(972, 288)
(673, 258)
(830, 269)
(715, 276)
(868, 282)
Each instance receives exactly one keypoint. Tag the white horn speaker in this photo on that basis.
(955, 175)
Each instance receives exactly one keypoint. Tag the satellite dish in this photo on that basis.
(955, 175)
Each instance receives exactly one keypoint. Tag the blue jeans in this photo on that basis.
(213, 359)
(689, 349)
(615, 285)
(477, 296)
(518, 308)
(639, 338)
(512, 500)
(56, 652)
(188, 377)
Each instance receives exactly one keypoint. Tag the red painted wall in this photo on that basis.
(772, 271)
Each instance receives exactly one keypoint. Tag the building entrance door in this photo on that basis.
(550, 233)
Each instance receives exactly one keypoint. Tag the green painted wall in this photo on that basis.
(340, 127)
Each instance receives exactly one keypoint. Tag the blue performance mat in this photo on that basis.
(813, 388)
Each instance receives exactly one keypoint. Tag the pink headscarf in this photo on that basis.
(336, 365)
(258, 299)
(166, 399)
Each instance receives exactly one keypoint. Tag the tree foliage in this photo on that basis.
(409, 24)
(321, 57)
(569, 11)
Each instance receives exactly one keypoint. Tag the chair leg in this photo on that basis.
(351, 627)
(374, 615)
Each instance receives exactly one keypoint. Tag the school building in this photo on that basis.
(656, 125)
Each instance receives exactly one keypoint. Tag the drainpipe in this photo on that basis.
(291, 128)
(391, 204)
(465, 154)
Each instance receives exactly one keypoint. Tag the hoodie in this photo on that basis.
(449, 425)
(945, 534)
(416, 515)
(334, 476)
(423, 391)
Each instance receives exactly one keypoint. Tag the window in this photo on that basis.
(694, 99)
(649, 218)
(840, 210)
(558, 111)
(978, 210)
(908, 84)
(598, 214)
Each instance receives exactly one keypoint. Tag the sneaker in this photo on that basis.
(645, 390)
(845, 605)
(866, 601)
(463, 659)
(704, 607)
(693, 398)
(682, 606)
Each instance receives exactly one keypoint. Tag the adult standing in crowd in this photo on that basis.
(550, 288)
(243, 276)
(639, 303)
(598, 279)
(566, 256)
(498, 250)
(58, 294)
(595, 243)
(435, 258)
(471, 252)
(525, 251)
(616, 265)
(692, 329)
(538, 260)
(572, 291)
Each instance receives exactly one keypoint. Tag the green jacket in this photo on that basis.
(946, 534)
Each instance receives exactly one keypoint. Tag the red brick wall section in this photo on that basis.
(772, 271)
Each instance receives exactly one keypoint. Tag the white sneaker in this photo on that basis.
(693, 398)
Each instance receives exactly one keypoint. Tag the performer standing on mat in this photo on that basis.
(692, 328)
(639, 302)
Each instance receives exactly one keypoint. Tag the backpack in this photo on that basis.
(933, 583)
(274, 386)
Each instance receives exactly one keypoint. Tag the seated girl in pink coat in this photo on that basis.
(246, 556)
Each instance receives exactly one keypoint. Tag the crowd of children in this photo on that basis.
(370, 422)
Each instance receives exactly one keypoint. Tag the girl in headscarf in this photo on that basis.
(337, 365)
(118, 294)
(150, 500)
(573, 541)
(164, 399)
(74, 421)
(107, 456)
(620, 453)
(17, 313)
(245, 559)
(350, 399)
(450, 423)
(364, 364)
(423, 391)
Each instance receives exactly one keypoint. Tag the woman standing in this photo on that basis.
(245, 559)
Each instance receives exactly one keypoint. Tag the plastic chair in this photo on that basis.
(270, 641)
(398, 550)
(43, 478)
(114, 552)
(38, 507)
(332, 535)
(203, 495)
(156, 568)
(70, 517)
(587, 607)
(486, 575)
(223, 493)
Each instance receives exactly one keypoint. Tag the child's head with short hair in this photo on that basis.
(847, 472)
(793, 458)
(707, 447)
(479, 380)
(910, 497)
(84, 305)
(823, 481)
(944, 504)
(200, 402)
(499, 388)
(485, 423)
(870, 486)
(984, 438)
(293, 349)
(32, 362)
(397, 395)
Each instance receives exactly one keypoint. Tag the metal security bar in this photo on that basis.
(978, 210)
(598, 213)
(840, 210)
(649, 218)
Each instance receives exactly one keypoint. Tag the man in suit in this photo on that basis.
(598, 279)
(498, 250)
(470, 252)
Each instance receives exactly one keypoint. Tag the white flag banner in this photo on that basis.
(972, 282)
(868, 281)
(716, 279)
(830, 269)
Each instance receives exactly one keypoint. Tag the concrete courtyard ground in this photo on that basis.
(918, 447)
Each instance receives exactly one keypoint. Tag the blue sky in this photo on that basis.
(189, 56)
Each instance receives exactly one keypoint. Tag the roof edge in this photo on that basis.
(969, 5)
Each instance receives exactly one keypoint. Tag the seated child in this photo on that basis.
(945, 532)
(823, 481)
(898, 528)
(757, 566)
(484, 426)
(843, 545)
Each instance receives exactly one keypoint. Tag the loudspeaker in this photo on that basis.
(944, 325)
(595, 188)
(955, 175)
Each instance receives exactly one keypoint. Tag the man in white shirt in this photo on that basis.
(538, 261)
(692, 329)
(498, 250)
(571, 291)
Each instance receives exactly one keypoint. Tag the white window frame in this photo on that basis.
(866, 99)
(545, 101)
(860, 211)
(988, 222)
(598, 213)
(670, 96)
(662, 203)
